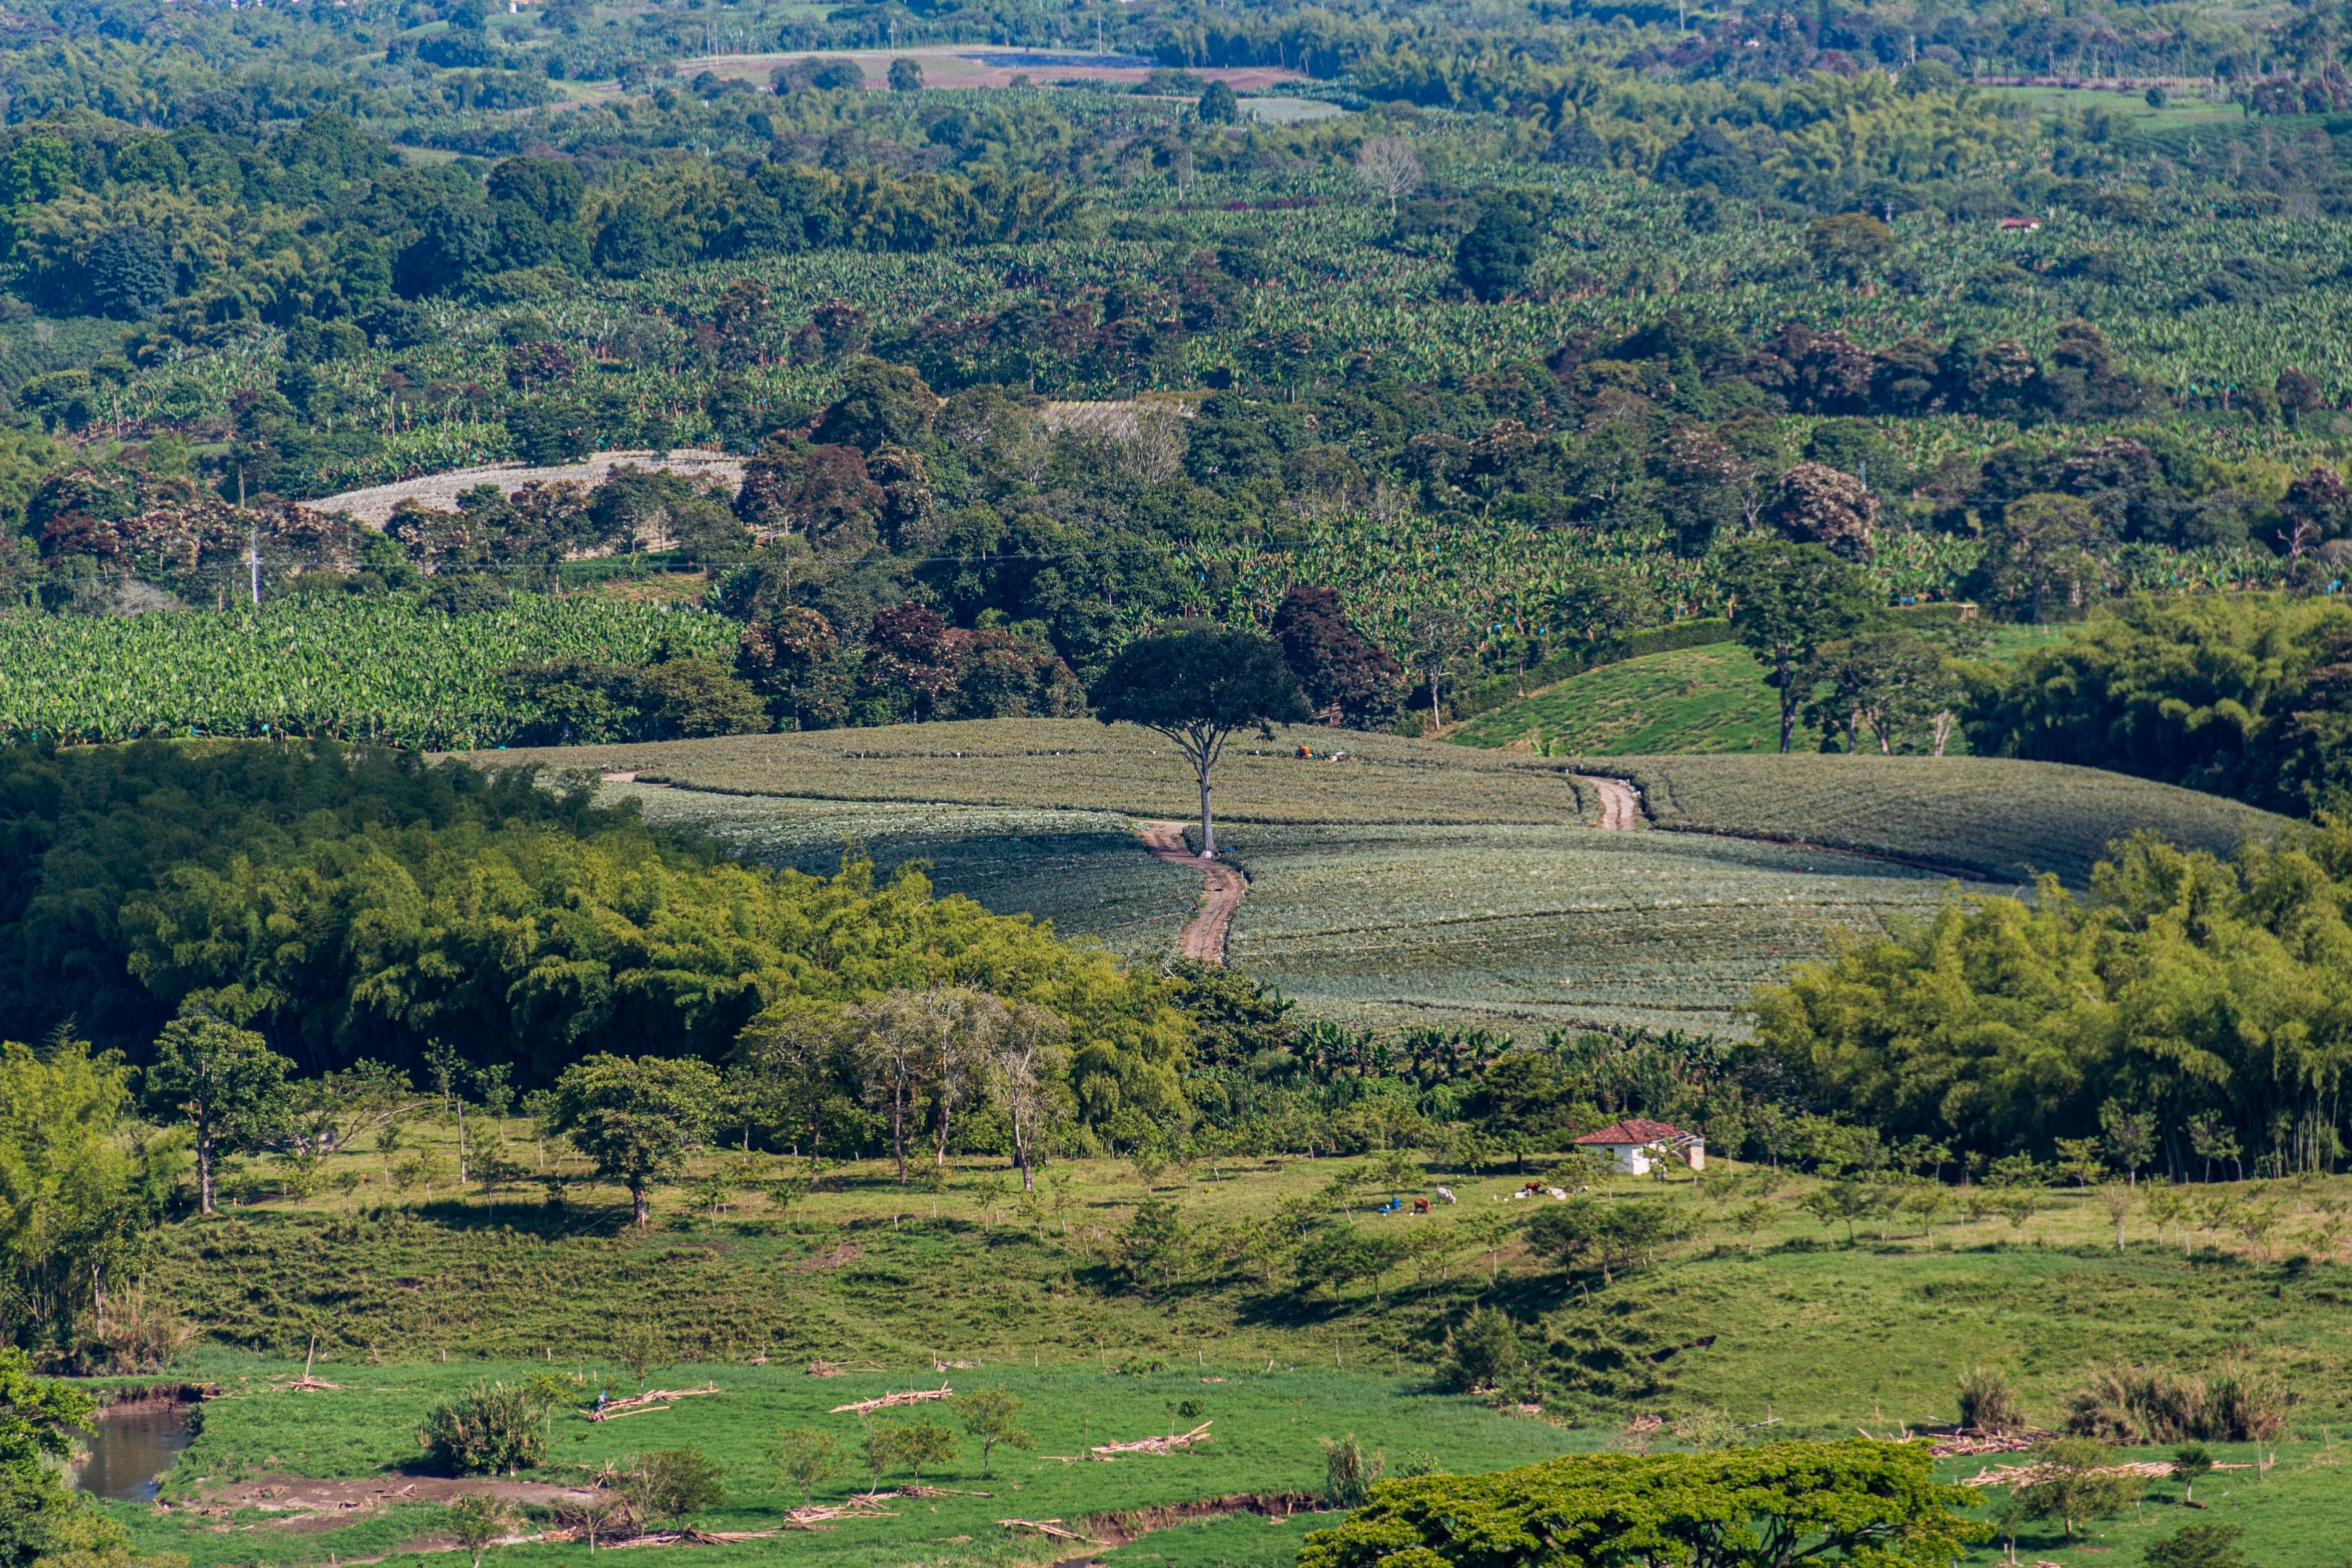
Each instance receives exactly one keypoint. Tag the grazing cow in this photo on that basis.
(1557, 1193)
(1420, 1205)
(1447, 1194)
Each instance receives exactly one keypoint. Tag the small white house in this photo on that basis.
(1637, 1144)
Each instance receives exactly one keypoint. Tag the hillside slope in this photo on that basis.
(1993, 816)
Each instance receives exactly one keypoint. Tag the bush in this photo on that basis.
(2154, 1404)
(671, 1483)
(491, 1428)
(1484, 1353)
(1348, 1475)
(1990, 1403)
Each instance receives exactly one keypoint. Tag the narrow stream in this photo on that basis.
(133, 1445)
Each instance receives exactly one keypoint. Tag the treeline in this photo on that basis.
(2177, 1020)
(102, 217)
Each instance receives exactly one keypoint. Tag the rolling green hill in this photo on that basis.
(1708, 699)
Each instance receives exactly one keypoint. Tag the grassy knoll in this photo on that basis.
(1995, 816)
(1817, 1333)
(1528, 928)
(1707, 699)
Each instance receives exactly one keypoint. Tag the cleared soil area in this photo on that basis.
(439, 492)
(1222, 891)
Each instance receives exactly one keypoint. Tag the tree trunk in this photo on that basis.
(1207, 828)
(204, 1166)
(461, 1140)
(1788, 703)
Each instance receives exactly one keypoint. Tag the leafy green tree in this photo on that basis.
(2045, 546)
(1850, 246)
(130, 274)
(877, 404)
(1788, 600)
(2190, 1461)
(479, 1521)
(906, 76)
(1153, 1245)
(226, 1082)
(1486, 1352)
(37, 1420)
(2076, 1483)
(1197, 685)
(988, 1415)
(671, 1483)
(807, 1459)
(1740, 1508)
(1493, 258)
(78, 1207)
(1218, 106)
(911, 1445)
(637, 1120)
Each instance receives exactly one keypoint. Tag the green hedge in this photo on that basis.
(1696, 632)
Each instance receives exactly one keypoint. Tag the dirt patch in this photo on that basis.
(1621, 803)
(310, 1506)
(839, 1254)
(1222, 888)
(1122, 1528)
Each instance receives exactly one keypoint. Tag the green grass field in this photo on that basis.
(1812, 1333)
(1706, 699)
(1709, 699)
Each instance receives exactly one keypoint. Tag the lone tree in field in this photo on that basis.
(1788, 600)
(226, 1080)
(1197, 685)
(637, 1120)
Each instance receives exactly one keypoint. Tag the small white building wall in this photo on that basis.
(1636, 1159)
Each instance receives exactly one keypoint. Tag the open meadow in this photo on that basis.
(1818, 1328)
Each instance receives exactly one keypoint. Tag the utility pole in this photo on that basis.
(255, 556)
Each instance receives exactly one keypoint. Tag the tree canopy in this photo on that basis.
(1197, 685)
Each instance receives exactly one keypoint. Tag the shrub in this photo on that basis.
(2154, 1404)
(1348, 1475)
(492, 1426)
(1483, 1354)
(2074, 1484)
(1989, 1402)
(2196, 1545)
(671, 1483)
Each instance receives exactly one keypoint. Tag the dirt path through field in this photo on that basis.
(1222, 890)
(1621, 803)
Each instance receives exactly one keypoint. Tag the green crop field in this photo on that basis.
(1528, 928)
(1993, 816)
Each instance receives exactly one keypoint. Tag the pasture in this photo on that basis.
(1814, 1329)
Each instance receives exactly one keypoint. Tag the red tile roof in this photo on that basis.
(1639, 1131)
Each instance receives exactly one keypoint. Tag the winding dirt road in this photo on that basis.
(1621, 803)
(1222, 890)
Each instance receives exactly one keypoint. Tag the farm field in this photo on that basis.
(1995, 817)
(1526, 929)
(1815, 1333)
(1085, 871)
(1077, 764)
